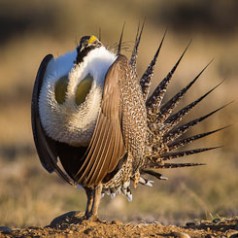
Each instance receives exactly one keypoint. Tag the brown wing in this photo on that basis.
(106, 148)
(45, 146)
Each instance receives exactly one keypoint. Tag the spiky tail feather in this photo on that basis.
(182, 142)
(163, 125)
(120, 40)
(175, 118)
(168, 107)
(145, 80)
(178, 131)
(133, 60)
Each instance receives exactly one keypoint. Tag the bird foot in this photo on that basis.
(92, 218)
(74, 217)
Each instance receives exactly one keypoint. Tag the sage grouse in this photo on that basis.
(95, 124)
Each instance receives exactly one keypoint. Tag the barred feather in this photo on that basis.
(145, 81)
(178, 131)
(154, 173)
(168, 107)
(175, 155)
(175, 118)
(163, 130)
(176, 165)
(182, 142)
(154, 101)
(133, 60)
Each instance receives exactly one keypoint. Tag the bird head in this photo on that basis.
(87, 43)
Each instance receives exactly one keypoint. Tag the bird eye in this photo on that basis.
(83, 89)
(61, 89)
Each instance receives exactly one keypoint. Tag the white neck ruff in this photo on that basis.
(68, 122)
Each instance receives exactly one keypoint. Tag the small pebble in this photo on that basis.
(87, 231)
(5, 229)
(216, 220)
(116, 222)
(190, 224)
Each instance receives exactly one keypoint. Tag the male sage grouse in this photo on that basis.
(95, 124)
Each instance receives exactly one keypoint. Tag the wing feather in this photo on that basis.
(45, 146)
(106, 148)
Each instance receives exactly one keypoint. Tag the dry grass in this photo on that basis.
(29, 196)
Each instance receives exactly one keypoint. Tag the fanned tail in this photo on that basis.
(164, 130)
(164, 142)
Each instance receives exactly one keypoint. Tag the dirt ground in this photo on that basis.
(71, 226)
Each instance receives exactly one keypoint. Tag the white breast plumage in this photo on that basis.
(68, 122)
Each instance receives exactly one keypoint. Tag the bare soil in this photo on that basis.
(70, 226)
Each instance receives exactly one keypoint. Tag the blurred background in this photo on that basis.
(31, 29)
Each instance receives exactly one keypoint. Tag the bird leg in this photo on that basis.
(96, 200)
(89, 193)
(94, 197)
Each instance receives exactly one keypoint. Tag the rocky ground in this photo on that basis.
(71, 226)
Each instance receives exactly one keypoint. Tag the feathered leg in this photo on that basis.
(94, 197)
